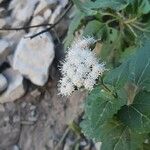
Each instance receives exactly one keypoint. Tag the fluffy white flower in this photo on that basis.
(80, 68)
(83, 42)
(66, 86)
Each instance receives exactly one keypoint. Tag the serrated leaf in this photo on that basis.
(144, 6)
(118, 76)
(139, 67)
(137, 115)
(92, 28)
(113, 4)
(89, 7)
(116, 136)
(85, 7)
(100, 107)
(75, 23)
(127, 53)
(111, 43)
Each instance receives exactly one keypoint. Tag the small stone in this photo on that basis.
(23, 104)
(22, 10)
(32, 119)
(15, 86)
(33, 107)
(41, 7)
(3, 83)
(2, 23)
(55, 14)
(4, 50)
(35, 21)
(63, 2)
(15, 147)
(35, 93)
(68, 145)
(6, 119)
(33, 58)
(2, 108)
(47, 14)
(16, 119)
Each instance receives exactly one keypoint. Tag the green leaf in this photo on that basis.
(144, 6)
(101, 106)
(118, 76)
(137, 115)
(127, 53)
(85, 7)
(116, 136)
(92, 28)
(139, 7)
(113, 4)
(139, 67)
(74, 25)
(110, 44)
(89, 7)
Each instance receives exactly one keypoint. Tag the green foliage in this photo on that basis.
(92, 28)
(118, 76)
(100, 107)
(137, 115)
(74, 25)
(139, 68)
(117, 110)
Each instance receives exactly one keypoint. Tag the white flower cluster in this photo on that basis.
(80, 68)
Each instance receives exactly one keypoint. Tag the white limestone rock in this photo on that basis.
(2, 23)
(55, 14)
(47, 14)
(15, 87)
(42, 6)
(4, 50)
(3, 83)
(63, 2)
(33, 58)
(22, 9)
(14, 37)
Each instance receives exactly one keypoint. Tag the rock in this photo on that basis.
(15, 86)
(42, 6)
(2, 108)
(35, 93)
(2, 23)
(63, 2)
(55, 14)
(33, 58)
(4, 50)
(9, 130)
(69, 144)
(22, 10)
(15, 147)
(35, 21)
(14, 37)
(3, 83)
(47, 14)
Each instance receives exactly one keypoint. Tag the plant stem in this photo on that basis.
(108, 14)
(109, 21)
(107, 89)
(139, 28)
(131, 29)
(130, 20)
